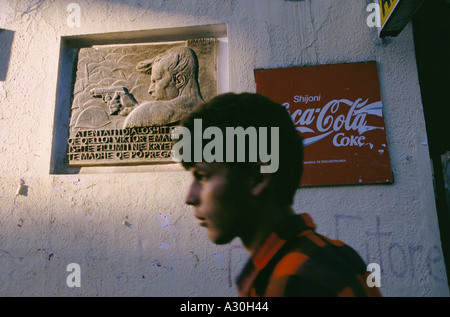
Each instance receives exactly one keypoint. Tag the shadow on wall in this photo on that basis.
(6, 39)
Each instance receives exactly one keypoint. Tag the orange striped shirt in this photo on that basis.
(296, 261)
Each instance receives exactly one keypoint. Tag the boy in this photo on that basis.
(233, 199)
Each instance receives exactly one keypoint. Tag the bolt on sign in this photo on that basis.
(338, 111)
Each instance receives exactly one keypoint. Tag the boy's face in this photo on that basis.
(219, 205)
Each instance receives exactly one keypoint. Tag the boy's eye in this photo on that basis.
(200, 175)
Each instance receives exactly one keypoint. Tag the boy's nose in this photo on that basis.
(192, 196)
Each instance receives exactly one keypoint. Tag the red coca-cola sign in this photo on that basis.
(338, 111)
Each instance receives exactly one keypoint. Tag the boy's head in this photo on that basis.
(272, 131)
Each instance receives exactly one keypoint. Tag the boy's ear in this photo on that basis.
(260, 180)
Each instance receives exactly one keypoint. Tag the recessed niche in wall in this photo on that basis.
(120, 95)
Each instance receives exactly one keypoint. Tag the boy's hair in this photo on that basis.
(253, 110)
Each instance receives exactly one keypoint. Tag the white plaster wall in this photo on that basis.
(79, 218)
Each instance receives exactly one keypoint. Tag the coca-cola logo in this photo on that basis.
(346, 119)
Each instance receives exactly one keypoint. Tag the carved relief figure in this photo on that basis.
(174, 89)
(121, 87)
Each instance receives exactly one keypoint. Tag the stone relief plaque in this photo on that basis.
(127, 99)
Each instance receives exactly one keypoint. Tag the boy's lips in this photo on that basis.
(201, 221)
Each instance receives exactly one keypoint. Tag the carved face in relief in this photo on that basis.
(164, 85)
